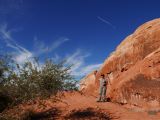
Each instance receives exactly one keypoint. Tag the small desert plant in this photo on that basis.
(30, 80)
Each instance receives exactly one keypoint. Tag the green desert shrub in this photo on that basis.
(30, 80)
(5, 99)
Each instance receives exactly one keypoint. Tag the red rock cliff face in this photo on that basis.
(134, 67)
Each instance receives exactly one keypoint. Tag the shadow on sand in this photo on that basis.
(46, 115)
(88, 114)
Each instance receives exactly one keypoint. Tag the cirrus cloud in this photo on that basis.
(21, 54)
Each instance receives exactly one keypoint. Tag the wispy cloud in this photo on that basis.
(6, 36)
(56, 57)
(84, 70)
(80, 68)
(41, 47)
(107, 22)
(77, 59)
(90, 68)
(22, 54)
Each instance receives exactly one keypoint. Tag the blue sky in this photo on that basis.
(84, 32)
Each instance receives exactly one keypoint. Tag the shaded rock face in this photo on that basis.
(134, 67)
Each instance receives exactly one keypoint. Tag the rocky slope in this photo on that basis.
(134, 68)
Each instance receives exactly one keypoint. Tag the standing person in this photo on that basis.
(102, 89)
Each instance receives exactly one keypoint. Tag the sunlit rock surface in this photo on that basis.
(134, 68)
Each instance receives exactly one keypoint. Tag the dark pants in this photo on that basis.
(102, 93)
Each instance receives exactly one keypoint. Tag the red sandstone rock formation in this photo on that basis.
(134, 68)
(87, 84)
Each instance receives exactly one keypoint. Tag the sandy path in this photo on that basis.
(77, 101)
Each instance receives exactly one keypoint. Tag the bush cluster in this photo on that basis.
(23, 82)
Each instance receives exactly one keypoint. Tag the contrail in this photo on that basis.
(107, 22)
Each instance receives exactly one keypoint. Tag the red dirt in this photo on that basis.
(77, 101)
(77, 106)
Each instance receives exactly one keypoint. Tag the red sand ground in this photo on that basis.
(77, 106)
(78, 101)
(75, 101)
